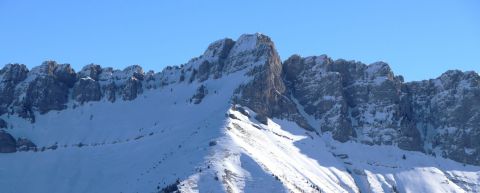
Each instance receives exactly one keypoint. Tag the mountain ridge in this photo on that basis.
(50, 86)
(260, 96)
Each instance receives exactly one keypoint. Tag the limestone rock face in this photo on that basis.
(215, 55)
(266, 94)
(368, 103)
(86, 89)
(320, 93)
(132, 88)
(42, 89)
(447, 112)
(353, 100)
(49, 87)
(109, 91)
(199, 95)
(65, 73)
(10, 76)
(14, 73)
(92, 70)
(46, 94)
(204, 71)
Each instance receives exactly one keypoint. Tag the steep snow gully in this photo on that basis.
(237, 119)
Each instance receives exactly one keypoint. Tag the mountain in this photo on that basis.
(238, 119)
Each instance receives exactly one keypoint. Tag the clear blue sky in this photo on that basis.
(419, 39)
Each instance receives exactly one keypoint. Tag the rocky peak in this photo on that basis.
(10, 76)
(65, 74)
(47, 68)
(249, 43)
(62, 72)
(214, 59)
(91, 70)
(456, 78)
(266, 94)
(379, 69)
(218, 50)
(293, 66)
(251, 50)
(224, 57)
(135, 71)
(14, 73)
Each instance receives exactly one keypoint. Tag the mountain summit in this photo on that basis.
(238, 119)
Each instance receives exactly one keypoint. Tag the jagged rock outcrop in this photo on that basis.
(199, 95)
(132, 88)
(86, 89)
(126, 84)
(447, 112)
(92, 70)
(3, 124)
(353, 100)
(10, 76)
(24, 144)
(65, 74)
(215, 56)
(50, 86)
(266, 93)
(7, 143)
(320, 93)
(368, 103)
(109, 91)
(47, 87)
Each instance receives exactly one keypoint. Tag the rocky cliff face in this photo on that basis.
(352, 100)
(369, 104)
(446, 111)
(266, 93)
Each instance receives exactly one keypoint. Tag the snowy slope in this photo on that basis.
(305, 162)
(209, 152)
(118, 147)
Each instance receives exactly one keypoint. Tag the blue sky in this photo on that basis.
(419, 39)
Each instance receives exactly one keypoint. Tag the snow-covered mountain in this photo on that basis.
(238, 119)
